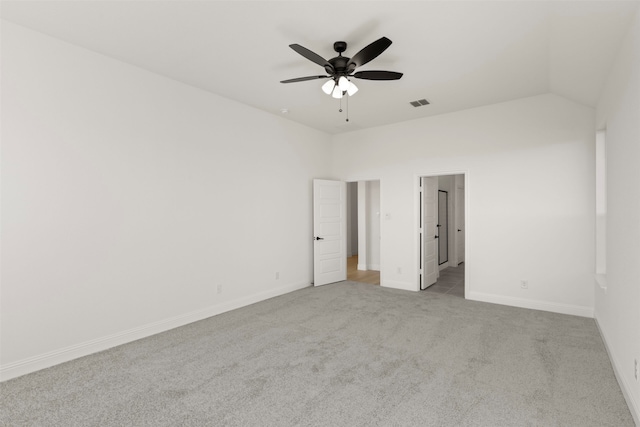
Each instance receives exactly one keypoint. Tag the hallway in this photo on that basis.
(368, 276)
(451, 281)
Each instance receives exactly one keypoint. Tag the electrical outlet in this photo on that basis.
(219, 289)
(277, 275)
(636, 368)
(524, 284)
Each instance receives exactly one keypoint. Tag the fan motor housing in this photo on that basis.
(339, 64)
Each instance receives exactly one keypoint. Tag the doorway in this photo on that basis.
(441, 229)
(363, 231)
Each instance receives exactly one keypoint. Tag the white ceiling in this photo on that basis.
(456, 54)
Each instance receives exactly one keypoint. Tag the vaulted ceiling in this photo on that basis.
(456, 54)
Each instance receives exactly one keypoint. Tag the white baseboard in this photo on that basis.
(624, 385)
(553, 307)
(375, 267)
(405, 286)
(362, 267)
(55, 357)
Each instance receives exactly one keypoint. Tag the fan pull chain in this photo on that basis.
(344, 95)
(347, 108)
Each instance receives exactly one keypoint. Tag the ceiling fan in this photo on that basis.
(341, 68)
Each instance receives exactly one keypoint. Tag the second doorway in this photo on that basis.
(363, 231)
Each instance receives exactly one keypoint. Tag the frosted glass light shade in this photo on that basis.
(352, 89)
(343, 82)
(328, 87)
(337, 92)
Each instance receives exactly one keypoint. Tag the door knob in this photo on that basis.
(319, 238)
(436, 237)
(459, 229)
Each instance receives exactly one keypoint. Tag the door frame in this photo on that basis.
(467, 210)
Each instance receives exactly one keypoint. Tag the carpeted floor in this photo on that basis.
(346, 354)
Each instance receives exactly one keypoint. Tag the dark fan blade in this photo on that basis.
(377, 75)
(303, 79)
(313, 57)
(369, 52)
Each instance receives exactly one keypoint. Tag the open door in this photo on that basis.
(429, 214)
(329, 232)
(443, 229)
(460, 225)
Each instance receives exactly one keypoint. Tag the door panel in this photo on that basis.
(329, 232)
(460, 238)
(429, 231)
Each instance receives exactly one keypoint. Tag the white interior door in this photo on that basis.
(443, 230)
(460, 224)
(429, 241)
(329, 232)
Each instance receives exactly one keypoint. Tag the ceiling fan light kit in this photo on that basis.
(343, 83)
(352, 89)
(328, 87)
(337, 93)
(340, 68)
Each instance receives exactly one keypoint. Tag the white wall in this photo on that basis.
(352, 218)
(529, 170)
(617, 309)
(128, 198)
(373, 225)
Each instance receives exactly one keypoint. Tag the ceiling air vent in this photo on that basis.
(419, 103)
